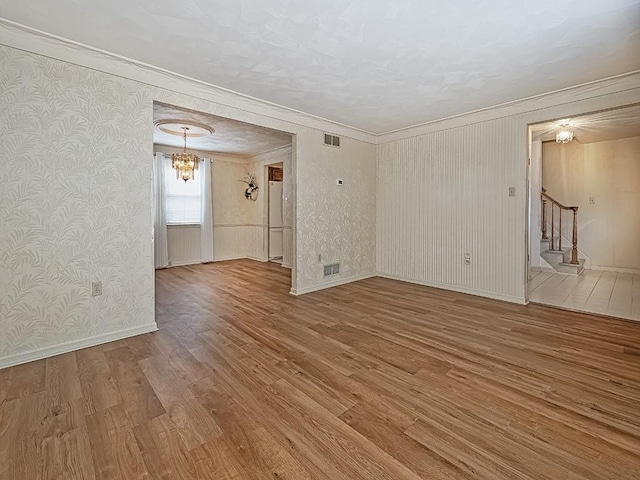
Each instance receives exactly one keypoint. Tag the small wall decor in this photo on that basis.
(251, 192)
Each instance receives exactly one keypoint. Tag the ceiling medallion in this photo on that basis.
(175, 127)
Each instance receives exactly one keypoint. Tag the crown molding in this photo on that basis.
(618, 84)
(22, 37)
(268, 154)
(31, 40)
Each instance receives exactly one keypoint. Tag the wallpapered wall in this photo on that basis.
(336, 222)
(75, 203)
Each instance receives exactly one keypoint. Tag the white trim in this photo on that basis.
(268, 154)
(73, 345)
(544, 269)
(23, 37)
(597, 88)
(456, 288)
(231, 257)
(604, 268)
(263, 260)
(183, 264)
(335, 283)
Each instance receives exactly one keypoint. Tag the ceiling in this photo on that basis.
(229, 136)
(376, 65)
(595, 127)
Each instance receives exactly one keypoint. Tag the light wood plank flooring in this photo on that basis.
(374, 380)
(601, 292)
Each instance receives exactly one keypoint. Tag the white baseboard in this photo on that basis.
(543, 269)
(335, 283)
(615, 269)
(263, 260)
(39, 353)
(182, 264)
(231, 257)
(456, 288)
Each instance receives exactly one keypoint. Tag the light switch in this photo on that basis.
(592, 200)
(512, 191)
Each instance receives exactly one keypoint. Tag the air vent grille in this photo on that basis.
(331, 269)
(331, 140)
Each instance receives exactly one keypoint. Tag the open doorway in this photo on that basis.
(218, 212)
(275, 217)
(584, 226)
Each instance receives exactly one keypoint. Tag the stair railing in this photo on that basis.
(545, 198)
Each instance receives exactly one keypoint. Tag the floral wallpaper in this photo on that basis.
(336, 222)
(75, 200)
(74, 203)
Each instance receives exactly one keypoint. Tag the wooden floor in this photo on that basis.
(374, 380)
(593, 291)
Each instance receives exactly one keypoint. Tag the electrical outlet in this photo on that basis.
(96, 289)
(467, 258)
(339, 182)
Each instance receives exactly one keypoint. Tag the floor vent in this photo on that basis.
(331, 140)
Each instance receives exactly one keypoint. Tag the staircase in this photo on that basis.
(562, 259)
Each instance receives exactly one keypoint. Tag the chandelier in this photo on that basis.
(565, 134)
(184, 163)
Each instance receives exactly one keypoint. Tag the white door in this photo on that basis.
(275, 220)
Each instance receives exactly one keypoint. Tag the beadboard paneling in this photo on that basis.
(257, 242)
(438, 200)
(184, 244)
(229, 242)
(443, 192)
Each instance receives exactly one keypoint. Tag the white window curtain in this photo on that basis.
(161, 250)
(206, 224)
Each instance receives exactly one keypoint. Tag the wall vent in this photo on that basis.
(332, 269)
(331, 140)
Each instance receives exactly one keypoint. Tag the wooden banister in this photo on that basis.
(546, 198)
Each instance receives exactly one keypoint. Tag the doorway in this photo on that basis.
(275, 209)
(227, 194)
(584, 230)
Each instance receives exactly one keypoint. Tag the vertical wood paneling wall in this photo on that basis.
(443, 195)
(183, 242)
(442, 191)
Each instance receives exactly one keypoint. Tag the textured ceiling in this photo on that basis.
(595, 127)
(230, 136)
(377, 65)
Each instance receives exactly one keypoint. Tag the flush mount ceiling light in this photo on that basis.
(565, 134)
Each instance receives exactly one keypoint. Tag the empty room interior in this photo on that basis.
(330, 240)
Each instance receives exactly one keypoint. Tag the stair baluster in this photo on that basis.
(574, 241)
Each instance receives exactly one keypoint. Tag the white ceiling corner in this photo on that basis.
(375, 65)
(230, 137)
(594, 127)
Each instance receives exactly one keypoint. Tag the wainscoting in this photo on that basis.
(230, 241)
(183, 242)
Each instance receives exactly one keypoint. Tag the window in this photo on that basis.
(182, 198)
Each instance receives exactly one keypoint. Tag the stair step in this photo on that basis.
(563, 267)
